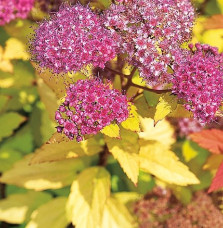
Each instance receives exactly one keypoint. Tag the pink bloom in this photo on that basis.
(12, 9)
(87, 112)
(198, 79)
(71, 39)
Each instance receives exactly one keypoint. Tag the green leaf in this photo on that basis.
(164, 164)
(48, 97)
(116, 215)
(3, 101)
(41, 125)
(111, 130)
(8, 158)
(23, 75)
(22, 141)
(167, 104)
(9, 122)
(56, 215)
(151, 98)
(89, 193)
(44, 176)
(17, 208)
(66, 149)
(126, 150)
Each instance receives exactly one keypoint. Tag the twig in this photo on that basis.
(103, 156)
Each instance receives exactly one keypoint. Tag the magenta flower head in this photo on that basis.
(12, 9)
(198, 79)
(71, 39)
(151, 31)
(89, 106)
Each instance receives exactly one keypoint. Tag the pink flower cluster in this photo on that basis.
(89, 106)
(72, 38)
(198, 79)
(151, 31)
(12, 9)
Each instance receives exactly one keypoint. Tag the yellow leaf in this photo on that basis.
(181, 112)
(66, 149)
(116, 215)
(214, 38)
(163, 132)
(188, 151)
(164, 164)
(111, 130)
(167, 104)
(128, 197)
(213, 162)
(58, 83)
(55, 219)
(15, 49)
(17, 208)
(43, 176)
(126, 150)
(132, 123)
(89, 193)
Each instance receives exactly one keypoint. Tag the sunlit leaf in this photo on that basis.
(89, 193)
(111, 130)
(126, 150)
(132, 122)
(15, 49)
(56, 218)
(211, 140)
(164, 164)
(163, 132)
(167, 104)
(64, 150)
(17, 208)
(188, 151)
(9, 122)
(214, 38)
(180, 112)
(43, 176)
(116, 215)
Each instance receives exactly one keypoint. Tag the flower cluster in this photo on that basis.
(71, 39)
(12, 9)
(151, 31)
(198, 79)
(160, 208)
(89, 106)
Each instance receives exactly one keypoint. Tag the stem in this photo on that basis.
(151, 90)
(103, 156)
(130, 83)
(117, 72)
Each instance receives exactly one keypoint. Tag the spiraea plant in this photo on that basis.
(110, 79)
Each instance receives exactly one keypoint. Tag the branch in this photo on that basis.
(117, 72)
(103, 156)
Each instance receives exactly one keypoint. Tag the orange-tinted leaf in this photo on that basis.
(214, 22)
(218, 180)
(211, 140)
